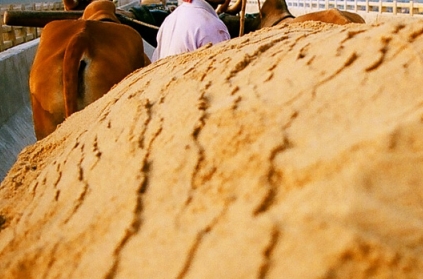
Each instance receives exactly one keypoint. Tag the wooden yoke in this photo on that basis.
(37, 18)
(41, 18)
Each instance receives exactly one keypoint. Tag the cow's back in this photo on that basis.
(112, 52)
(334, 16)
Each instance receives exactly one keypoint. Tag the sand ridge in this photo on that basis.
(294, 152)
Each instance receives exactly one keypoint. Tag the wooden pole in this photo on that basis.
(41, 18)
(259, 9)
(37, 18)
(242, 19)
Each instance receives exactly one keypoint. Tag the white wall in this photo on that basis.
(16, 129)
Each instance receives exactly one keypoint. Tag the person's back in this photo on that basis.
(192, 25)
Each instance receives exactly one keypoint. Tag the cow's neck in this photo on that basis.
(283, 19)
(275, 12)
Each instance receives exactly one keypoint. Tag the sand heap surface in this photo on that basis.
(292, 152)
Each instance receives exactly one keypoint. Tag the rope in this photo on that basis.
(120, 17)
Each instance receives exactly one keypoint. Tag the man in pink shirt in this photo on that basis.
(192, 25)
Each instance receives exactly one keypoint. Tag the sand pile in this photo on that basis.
(293, 152)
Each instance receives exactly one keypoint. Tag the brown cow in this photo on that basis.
(275, 12)
(330, 16)
(78, 61)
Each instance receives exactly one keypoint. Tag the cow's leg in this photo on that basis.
(44, 122)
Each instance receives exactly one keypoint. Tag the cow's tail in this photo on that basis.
(73, 72)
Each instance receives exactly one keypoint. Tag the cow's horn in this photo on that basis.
(235, 8)
(223, 7)
(70, 4)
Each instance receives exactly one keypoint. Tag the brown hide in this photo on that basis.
(331, 16)
(100, 10)
(76, 4)
(273, 11)
(76, 63)
(276, 11)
